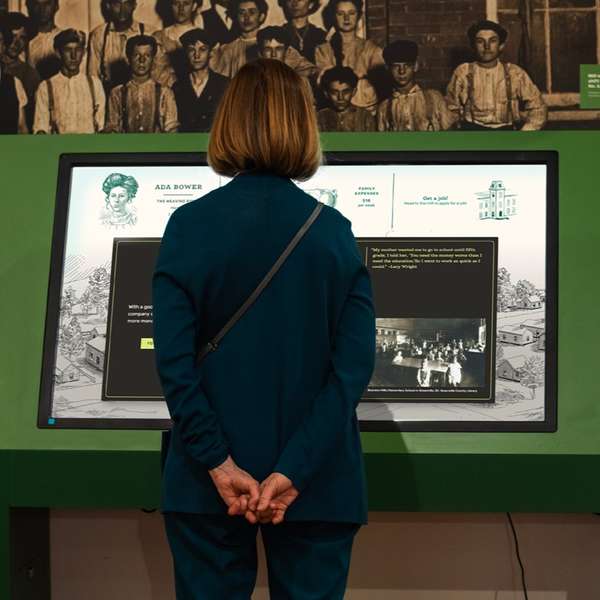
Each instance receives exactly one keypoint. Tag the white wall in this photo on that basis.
(123, 555)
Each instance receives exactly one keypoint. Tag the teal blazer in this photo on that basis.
(280, 392)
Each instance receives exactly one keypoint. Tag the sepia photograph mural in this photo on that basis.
(124, 66)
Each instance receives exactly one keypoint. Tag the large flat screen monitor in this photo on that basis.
(461, 247)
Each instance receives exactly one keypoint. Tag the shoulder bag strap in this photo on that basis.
(213, 344)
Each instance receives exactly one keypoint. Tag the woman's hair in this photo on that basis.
(119, 180)
(266, 121)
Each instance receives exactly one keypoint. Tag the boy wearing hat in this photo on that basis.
(22, 30)
(249, 15)
(198, 93)
(141, 105)
(107, 58)
(41, 47)
(13, 98)
(491, 95)
(70, 101)
(339, 86)
(410, 108)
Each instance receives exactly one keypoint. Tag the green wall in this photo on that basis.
(407, 471)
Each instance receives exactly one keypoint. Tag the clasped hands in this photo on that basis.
(264, 502)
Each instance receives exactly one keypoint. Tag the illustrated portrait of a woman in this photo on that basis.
(119, 192)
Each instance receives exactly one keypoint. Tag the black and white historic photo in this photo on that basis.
(372, 65)
(430, 355)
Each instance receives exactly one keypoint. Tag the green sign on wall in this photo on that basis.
(589, 86)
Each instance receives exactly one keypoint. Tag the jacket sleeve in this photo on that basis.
(351, 366)
(175, 325)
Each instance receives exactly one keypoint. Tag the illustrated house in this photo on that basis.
(497, 204)
(65, 370)
(515, 334)
(529, 302)
(536, 326)
(80, 310)
(94, 352)
(511, 368)
(89, 332)
(541, 341)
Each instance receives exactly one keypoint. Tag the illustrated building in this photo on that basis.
(497, 204)
(536, 326)
(511, 368)
(65, 370)
(81, 309)
(94, 352)
(529, 302)
(541, 341)
(326, 196)
(89, 332)
(515, 334)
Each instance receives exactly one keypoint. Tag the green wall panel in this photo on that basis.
(549, 472)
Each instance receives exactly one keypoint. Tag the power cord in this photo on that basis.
(514, 532)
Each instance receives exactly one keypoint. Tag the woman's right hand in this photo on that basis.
(277, 493)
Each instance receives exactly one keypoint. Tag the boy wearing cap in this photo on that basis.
(70, 101)
(141, 105)
(229, 58)
(198, 93)
(13, 98)
(339, 85)
(107, 58)
(41, 47)
(491, 95)
(410, 108)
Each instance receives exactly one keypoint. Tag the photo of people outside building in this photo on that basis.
(373, 65)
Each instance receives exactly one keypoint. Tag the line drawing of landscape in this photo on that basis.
(78, 369)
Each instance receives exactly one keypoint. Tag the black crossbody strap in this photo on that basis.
(213, 344)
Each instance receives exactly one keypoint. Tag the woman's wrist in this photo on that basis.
(226, 466)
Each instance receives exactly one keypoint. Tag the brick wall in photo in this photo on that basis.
(438, 26)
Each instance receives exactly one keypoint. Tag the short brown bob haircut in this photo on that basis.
(266, 121)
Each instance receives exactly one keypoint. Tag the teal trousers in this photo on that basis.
(215, 557)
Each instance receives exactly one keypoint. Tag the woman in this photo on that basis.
(346, 49)
(264, 431)
(119, 191)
